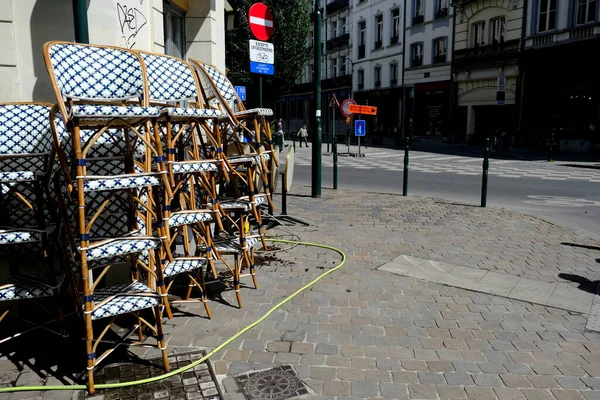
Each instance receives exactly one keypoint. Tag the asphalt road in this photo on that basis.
(575, 203)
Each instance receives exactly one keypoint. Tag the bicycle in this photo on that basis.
(498, 144)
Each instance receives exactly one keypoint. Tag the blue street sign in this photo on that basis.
(360, 127)
(262, 68)
(241, 92)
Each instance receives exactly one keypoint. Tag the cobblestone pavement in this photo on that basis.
(364, 333)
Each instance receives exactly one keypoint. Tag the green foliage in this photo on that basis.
(292, 25)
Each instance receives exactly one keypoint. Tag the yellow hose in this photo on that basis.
(206, 357)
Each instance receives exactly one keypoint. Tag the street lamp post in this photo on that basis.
(316, 145)
(351, 96)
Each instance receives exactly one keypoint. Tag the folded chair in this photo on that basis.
(25, 219)
(111, 159)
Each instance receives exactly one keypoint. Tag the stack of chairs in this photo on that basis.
(152, 182)
(113, 170)
(27, 234)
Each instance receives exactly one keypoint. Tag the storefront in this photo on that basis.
(432, 109)
(386, 125)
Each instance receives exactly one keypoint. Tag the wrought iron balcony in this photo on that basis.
(394, 39)
(393, 82)
(337, 5)
(339, 41)
(418, 19)
(361, 86)
(377, 84)
(492, 54)
(441, 13)
(416, 62)
(361, 51)
(378, 45)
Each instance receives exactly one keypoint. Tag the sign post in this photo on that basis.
(360, 128)
(500, 87)
(262, 54)
(317, 147)
(333, 103)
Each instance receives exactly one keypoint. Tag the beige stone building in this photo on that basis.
(487, 44)
(184, 28)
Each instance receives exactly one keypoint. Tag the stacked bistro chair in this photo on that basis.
(26, 221)
(196, 167)
(113, 171)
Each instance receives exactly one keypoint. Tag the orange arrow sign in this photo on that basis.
(357, 109)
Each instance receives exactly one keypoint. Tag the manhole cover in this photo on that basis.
(273, 384)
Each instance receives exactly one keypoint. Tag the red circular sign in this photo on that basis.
(344, 107)
(261, 21)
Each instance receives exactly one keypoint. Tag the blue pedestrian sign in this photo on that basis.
(360, 127)
(262, 68)
(241, 92)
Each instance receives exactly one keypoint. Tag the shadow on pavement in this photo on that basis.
(584, 283)
(583, 246)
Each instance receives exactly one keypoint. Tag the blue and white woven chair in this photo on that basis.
(218, 92)
(103, 114)
(25, 219)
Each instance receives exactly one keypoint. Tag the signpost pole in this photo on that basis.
(333, 133)
(260, 91)
(359, 117)
(316, 148)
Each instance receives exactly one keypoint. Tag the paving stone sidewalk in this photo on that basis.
(365, 333)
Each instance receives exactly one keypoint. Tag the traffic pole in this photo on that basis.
(551, 143)
(260, 91)
(486, 167)
(316, 145)
(335, 163)
(405, 178)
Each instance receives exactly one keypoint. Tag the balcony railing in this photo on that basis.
(339, 41)
(416, 62)
(361, 51)
(393, 82)
(441, 13)
(337, 5)
(377, 84)
(418, 19)
(581, 32)
(361, 86)
(487, 55)
(378, 44)
(394, 39)
(440, 58)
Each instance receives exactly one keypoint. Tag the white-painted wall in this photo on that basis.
(25, 25)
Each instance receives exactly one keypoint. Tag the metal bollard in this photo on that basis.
(405, 180)
(551, 143)
(283, 195)
(486, 167)
(335, 163)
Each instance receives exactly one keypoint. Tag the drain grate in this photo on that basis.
(197, 383)
(273, 384)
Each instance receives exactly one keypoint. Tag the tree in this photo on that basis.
(292, 25)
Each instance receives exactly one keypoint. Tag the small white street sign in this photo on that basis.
(501, 85)
(262, 52)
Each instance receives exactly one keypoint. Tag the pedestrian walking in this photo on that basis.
(280, 135)
(303, 135)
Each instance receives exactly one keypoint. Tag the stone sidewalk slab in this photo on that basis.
(564, 295)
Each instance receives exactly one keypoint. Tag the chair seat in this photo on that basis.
(121, 246)
(110, 111)
(28, 287)
(182, 167)
(248, 158)
(122, 299)
(243, 203)
(267, 112)
(125, 181)
(14, 236)
(190, 217)
(232, 246)
(183, 264)
(175, 112)
(17, 176)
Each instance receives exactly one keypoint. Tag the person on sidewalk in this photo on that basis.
(280, 135)
(303, 135)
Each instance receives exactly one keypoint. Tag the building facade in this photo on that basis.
(178, 27)
(561, 89)
(487, 45)
(427, 67)
(378, 65)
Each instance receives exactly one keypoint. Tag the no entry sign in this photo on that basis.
(261, 21)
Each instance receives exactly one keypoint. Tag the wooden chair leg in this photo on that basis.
(236, 279)
(89, 338)
(161, 338)
(203, 294)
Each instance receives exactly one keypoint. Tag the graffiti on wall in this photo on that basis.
(131, 22)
